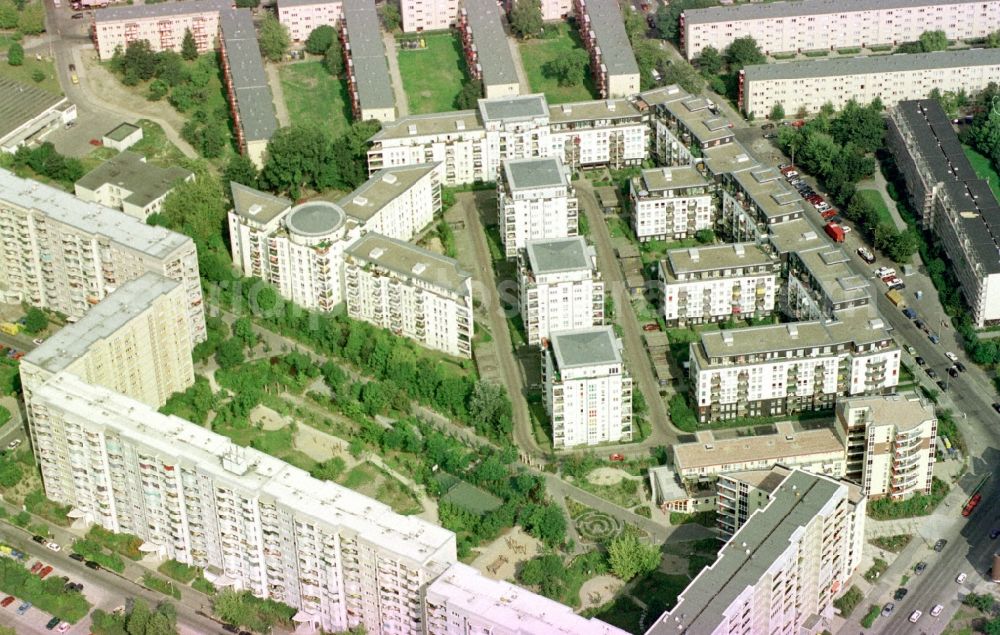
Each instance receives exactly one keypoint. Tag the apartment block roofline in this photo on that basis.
(368, 55)
(488, 35)
(868, 64)
(768, 447)
(585, 347)
(246, 71)
(713, 257)
(517, 108)
(671, 178)
(536, 173)
(609, 29)
(164, 10)
(905, 410)
(260, 207)
(788, 9)
(555, 255)
(410, 261)
(382, 188)
(305, 3)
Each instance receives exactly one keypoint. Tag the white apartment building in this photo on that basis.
(300, 249)
(60, 253)
(471, 144)
(808, 84)
(820, 24)
(302, 17)
(428, 15)
(411, 291)
(685, 127)
(612, 62)
(588, 391)
(787, 368)
(462, 601)
(707, 284)
(671, 203)
(535, 200)
(782, 570)
(487, 52)
(135, 342)
(951, 201)
(820, 281)
(127, 182)
(162, 25)
(251, 521)
(890, 443)
(740, 494)
(559, 287)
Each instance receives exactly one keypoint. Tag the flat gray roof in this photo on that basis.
(529, 174)
(20, 103)
(765, 10)
(522, 107)
(827, 265)
(364, 34)
(559, 254)
(73, 340)
(91, 218)
(159, 10)
(715, 257)
(609, 30)
(662, 179)
(130, 171)
(613, 109)
(260, 207)
(795, 235)
(585, 347)
(315, 218)
(382, 188)
(305, 3)
(766, 447)
(410, 261)
(246, 68)
(863, 65)
(121, 131)
(904, 411)
(429, 124)
(488, 36)
(767, 534)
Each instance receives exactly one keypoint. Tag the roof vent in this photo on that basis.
(419, 268)
(567, 109)
(389, 178)
(875, 324)
(742, 158)
(255, 209)
(460, 124)
(693, 253)
(793, 331)
(668, 174)
(611, 104)
(360, 201)
(789, 437)
(376, 253)
(709, 446)
(727, 338)
(412, 128)
(739, 249)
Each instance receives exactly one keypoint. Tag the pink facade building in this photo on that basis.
(428, 15)
(162, 25)
(303, 16)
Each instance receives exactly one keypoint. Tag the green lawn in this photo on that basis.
(875, 198)
(314, 96)
(432, 76)
(536, 53)
(24, 72)
(984, 169)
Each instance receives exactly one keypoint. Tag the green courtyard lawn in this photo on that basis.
(984, 169)
(875, 198)
(558, 41)
(432, 76)
(312, 95)
(25, 72)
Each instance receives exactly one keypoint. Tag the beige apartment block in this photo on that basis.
(487, 51)
(782, 570)
(127, 182)
(162, 25)
(806, 25)
(890, 443)
(302, 17)
(612, 62)
(740, 494)
(135, 342)
(368, 82)
(428, 15)
(60, 253)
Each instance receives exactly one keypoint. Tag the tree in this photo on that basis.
(777, 112)
(8, 15)
(861, 125)
(468, 97)
(683, 74)
(982, 601)
(189, 48)
(158, 89)
(32, 19)
(333, 61)
(243, 330)
(710, 61)
(247, 4)
(635, 25)
(705, 237)
(545, 522)
(321, 39)
(389, 13)
(299, 156)
(649, 57)
(629, 557)
(931, 41)
(742, 52)
(15, 54)
(138, 62)
(903, 245)
(526, 18)
(35, 321)
(569, 69)
(993, 40)
(197, 208)
(240, 169)
(669, 14)
(230, 353)
(490, 410)
(273, 38)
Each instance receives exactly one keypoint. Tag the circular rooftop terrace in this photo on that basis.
(315, 218)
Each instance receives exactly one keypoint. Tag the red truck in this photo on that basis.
(834, 231)
(971, 505)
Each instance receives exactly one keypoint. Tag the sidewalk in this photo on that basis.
(402, 105)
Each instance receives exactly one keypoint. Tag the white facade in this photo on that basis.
(671, 203)
(891, 443)
(559, 287)
(397, 203)
(535, 201)
(302, 17)
(127, 182)
(776, 370)
(30, 113)
(60, 253)
(162, 25)
(428, 15)
(705, 284)
(782, 570)
(810, 84)
(588, 392)
(252, 521)
(411, 291)
(816, 24)
(612, 62)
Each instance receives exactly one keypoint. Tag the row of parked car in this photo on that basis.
(826, 211)
(42, 570)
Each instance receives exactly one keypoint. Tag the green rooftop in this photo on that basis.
(122, 132)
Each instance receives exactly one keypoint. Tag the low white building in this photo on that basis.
(890, 443)
(671, 203)
(535, 200)
(127, 182)
(559, 287)
(588, 391)
(707, 284)
(787, 368)
(411, 291)
(122, 137)
(28, 113)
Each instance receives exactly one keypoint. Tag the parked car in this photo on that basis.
(920, 324)
(76, 556)
(77, 16)
(21, 610)
(44, 572)
(52, 623)
(770, 135)
(767, 126)
(35, 568)
(53, 546)
(920, 568)
(960, 366)
(939, 547)
(953, 371)
(996, 406)
(791, 174)
(866, 254)
(7, 601)
(953, 357)
(932, 373)
(911, 350)
(914, 616)
(887, 609)
(39, 539)
(937, 610)
(919, 360)
(900, 593)
(910, 313)
(90, 564)
(961, 576)
(617, 457)
(933, 338)
(940, 384)
(63, 627)
(652, 326)
(994, 534)
(829, 215)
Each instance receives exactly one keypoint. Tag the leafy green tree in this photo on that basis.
(931, 41)
(981, 601)
(547, 572)
(329, 470)
(15, 54)
(38, 75)
(777, 112)
(299, 156)
(333, 61)
(743, 51)
(243, 330)
(230, 354)
(468, 97)
(240, 169)
(668, 16)
(389, 13)
(710, 61)
(526, 18)
(189, 48)
(993, 40)
(247, 4)
(490, 410)
(197, 208)
(629, 557)
(545, 522)
(635, 24)
(321, 39)
(8, 14)
(32, 19)
(683, 74)
(138, 61)
(705, 237)
(569, 69)
(35, 321)
(158, 89)
(273, 38)
(861, 125)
